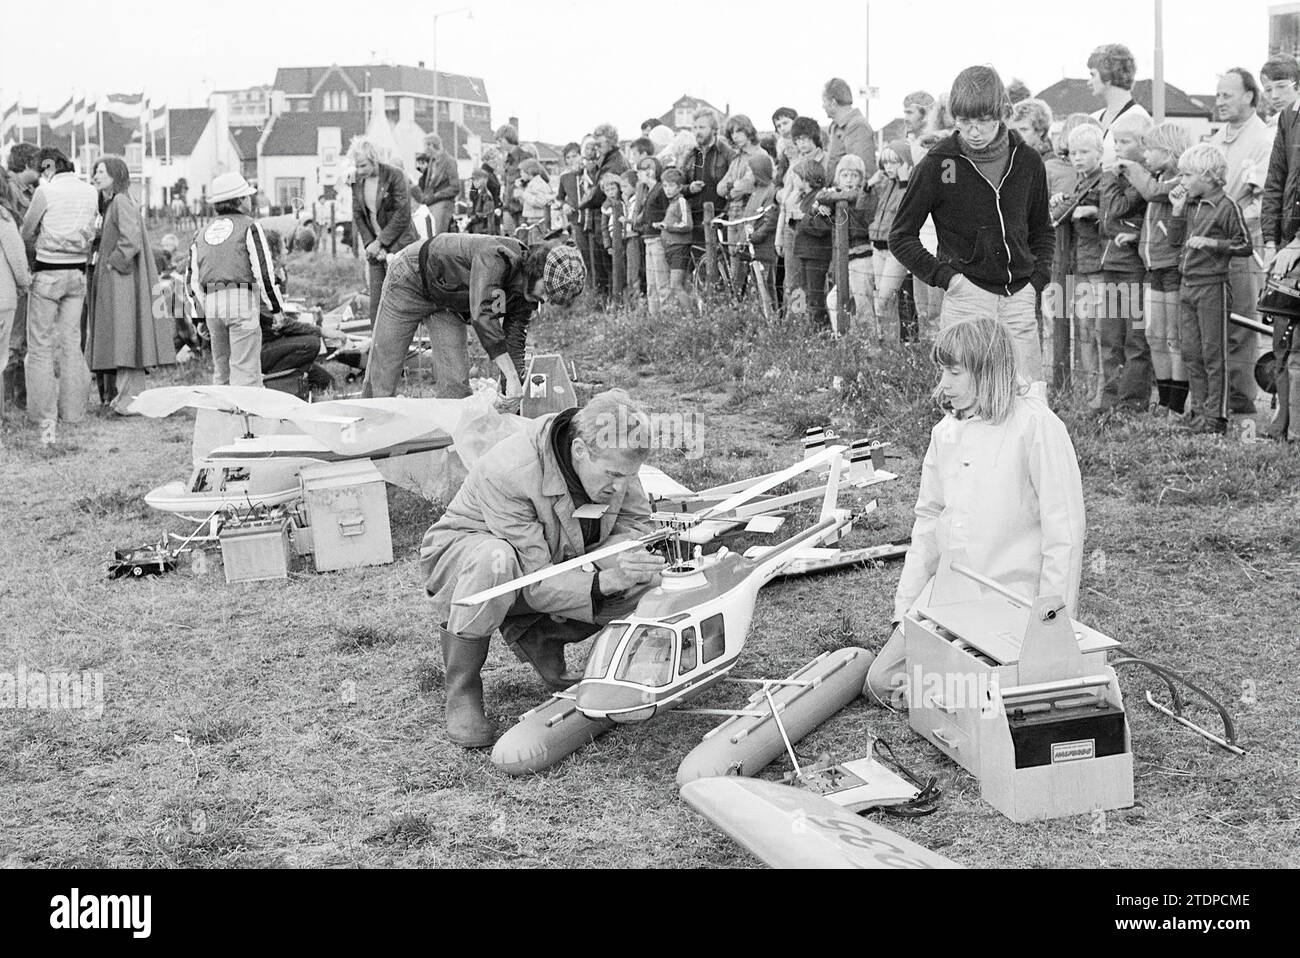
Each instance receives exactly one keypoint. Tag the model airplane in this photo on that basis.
(409, 440)
(788, 827)
(688, 632)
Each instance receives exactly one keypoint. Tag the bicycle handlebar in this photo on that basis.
(719, 221)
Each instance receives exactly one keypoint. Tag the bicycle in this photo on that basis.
(740, 287)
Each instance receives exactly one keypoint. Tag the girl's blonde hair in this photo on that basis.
(983, 348)
(1173, 138)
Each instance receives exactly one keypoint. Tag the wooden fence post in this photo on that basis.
(710, 247)
(840, 258)
(618, 274)
(334, 235)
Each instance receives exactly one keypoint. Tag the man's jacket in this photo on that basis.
(481, 279)
(1280, 206)
(440, 182)
(516, 494)
(997, 235)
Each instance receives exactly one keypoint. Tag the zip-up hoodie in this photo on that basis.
(1220, 219)
(1122, 209)
(998, 237)
(1157, 249)
(61, 221)
(888, 195)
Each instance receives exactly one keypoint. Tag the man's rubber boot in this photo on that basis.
(546, 655)
(462, 660)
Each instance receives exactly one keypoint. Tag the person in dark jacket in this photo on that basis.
(381, 212)
(987, 193)
(704, 168)
(814, 240)
(1280, 220)
(610, 160)
(1126, 374)
(454, 280)
(439, 184)
(513, 156)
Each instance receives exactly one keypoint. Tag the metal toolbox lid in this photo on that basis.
(332, 475)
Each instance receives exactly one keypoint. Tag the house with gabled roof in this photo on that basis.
(1194, 112)
(682, 114)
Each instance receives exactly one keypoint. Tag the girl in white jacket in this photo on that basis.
(1000, 487)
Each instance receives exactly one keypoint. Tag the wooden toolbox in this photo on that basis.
(1021, 696)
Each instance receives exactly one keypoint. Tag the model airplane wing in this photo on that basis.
(788, 827)
(577, 563)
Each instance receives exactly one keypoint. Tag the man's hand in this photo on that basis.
(632, 568)
(374, 250)
(1124, 239)
(1085, 212)
(1286, 259)
(1201, 242)
(696, 186)
(1057, 199)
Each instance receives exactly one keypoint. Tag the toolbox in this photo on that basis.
(347, 514)
(1022, 697)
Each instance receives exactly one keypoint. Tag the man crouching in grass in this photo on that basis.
(513, 516)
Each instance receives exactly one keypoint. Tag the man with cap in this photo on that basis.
(230, 277)
(520, 510)
(454, 280)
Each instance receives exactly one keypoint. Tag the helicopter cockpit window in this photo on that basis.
(648, 658)
(603, 649)
(234, 474)
(714, 641)
(202, 481)
(690, 650)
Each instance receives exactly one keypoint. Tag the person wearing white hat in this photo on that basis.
(230, 277)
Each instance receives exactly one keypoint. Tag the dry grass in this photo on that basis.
(298, 723)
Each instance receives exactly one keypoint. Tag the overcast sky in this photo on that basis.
(563, 66)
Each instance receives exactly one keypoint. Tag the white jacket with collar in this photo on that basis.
(1009, 496)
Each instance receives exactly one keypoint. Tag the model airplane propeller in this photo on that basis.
(687, 633)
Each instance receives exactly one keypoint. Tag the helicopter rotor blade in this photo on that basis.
(541, 575)
(772, 481)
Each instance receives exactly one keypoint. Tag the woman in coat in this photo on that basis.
(127, 336)
(14, 275)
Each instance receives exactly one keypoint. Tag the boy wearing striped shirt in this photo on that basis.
(1212, 231)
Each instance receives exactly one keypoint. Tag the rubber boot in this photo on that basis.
(545, 654)
(462, 661)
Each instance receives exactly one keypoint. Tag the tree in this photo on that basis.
(180, 188)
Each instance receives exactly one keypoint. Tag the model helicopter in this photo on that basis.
(687, 633)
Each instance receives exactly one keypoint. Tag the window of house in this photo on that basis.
(288, 189)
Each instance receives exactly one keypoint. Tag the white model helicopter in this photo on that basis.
(688, 632)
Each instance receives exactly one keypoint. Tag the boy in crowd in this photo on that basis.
(1125, 353)
(1212, 231)
(1080, 212)
(986, 191)
(675, 233)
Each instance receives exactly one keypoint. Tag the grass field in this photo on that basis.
(299, 723)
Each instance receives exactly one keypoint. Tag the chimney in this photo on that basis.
(514, 121)
(279, 102)
(420, 63)
(405, 109)
(377, 104)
